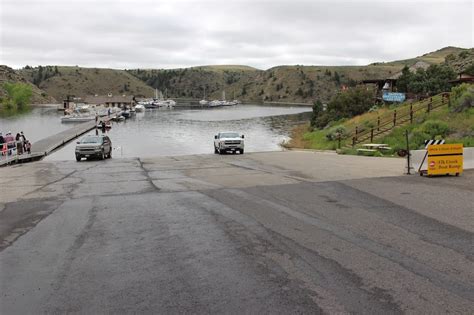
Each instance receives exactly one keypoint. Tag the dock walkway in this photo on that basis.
(47, 145)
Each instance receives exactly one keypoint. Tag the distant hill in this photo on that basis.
(289, 83)
(435, 57)
(282, 83)
(39, 96)
(62, 81)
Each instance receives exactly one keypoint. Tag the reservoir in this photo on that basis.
(167, 132)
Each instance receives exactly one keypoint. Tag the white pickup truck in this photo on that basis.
(228, 141)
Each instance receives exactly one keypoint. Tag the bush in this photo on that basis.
(17, 98)
(335, 132)
(435, 128)
(462, 98)
(417, 139)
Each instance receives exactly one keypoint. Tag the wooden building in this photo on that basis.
(111, 100)
(463, 78)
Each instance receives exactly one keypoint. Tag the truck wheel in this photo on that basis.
(78, 158)
(241, 151)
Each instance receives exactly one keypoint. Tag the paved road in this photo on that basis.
(283, 232)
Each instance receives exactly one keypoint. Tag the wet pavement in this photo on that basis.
(279, 232)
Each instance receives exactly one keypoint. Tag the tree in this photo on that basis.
(404, 79)
(337, 79)
(317, 111)
(470, 69)
(346, 104)
(432, 81)
(18, 96)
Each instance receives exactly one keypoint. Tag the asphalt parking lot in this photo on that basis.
(277, 232)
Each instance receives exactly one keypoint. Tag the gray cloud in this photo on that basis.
(260, 33)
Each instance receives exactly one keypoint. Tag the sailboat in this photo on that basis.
(161, 102)
(204, 101)
(226, 103)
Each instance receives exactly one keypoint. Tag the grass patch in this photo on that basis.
(441, 123)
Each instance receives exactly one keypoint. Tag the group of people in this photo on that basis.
(9, 143)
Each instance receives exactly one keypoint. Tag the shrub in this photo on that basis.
(462, 98)
(17, 96)
(337, 131)
(435, 128)
(418, 138)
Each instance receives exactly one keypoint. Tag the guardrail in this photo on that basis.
(9, 152)
(398, 117)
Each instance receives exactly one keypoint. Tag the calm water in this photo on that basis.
(174, 132)
(40, 123)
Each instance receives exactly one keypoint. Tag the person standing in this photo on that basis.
(23, 139)
(2, 141)
(28, 147)
(19, 144)
(10, 142)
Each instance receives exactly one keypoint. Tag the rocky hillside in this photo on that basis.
(39, 96)
(62, 81)
(461, 61)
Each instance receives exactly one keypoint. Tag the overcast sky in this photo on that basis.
(178, 33)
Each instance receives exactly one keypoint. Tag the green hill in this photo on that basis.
(435, 57)
(62, 81)
(39, 96)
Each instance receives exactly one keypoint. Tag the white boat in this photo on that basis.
(77, 118)
(83, 108)
(223, 102)
(139, 108)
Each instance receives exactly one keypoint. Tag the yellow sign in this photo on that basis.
(445, 159)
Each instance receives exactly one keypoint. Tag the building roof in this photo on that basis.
(463, 78)
(108, 99)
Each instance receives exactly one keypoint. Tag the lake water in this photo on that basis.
(167, 132)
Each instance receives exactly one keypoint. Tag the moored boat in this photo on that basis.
(139, 108)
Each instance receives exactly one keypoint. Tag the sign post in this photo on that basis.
(445, 159)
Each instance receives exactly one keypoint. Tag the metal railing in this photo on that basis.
(9, 152)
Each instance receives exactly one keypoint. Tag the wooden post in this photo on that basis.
(371, 135)
(357, 130)
(353, 141)
(408, 153)
(378, 123)
(394, 117)
(411, 113)
(429, 107)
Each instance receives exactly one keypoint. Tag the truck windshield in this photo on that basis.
(91, 140)
(229, 135)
